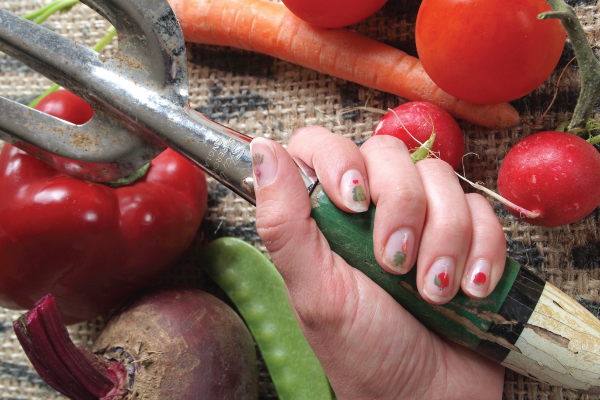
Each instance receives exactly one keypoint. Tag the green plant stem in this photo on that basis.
(424, 150)
(588, 64)
(594, 140)
(110, 33)
(42, 14)
(129, 179)
(51, 89)
(99, 46)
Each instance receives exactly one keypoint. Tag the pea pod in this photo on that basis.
(257, 289)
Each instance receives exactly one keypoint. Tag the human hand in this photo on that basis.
(369, 346)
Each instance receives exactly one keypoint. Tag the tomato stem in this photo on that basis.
(72, 371)
(588, 64)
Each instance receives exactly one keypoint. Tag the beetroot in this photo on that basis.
(420, 119)
(554, 175)
(170, 344)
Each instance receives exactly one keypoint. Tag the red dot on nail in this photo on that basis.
(355, 181)
(479, 278)
(443, 280)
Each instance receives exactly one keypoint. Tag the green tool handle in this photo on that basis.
(351, 236)
(521, 306)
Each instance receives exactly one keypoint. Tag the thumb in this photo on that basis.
(297, 247)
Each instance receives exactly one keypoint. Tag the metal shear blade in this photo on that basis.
(139, 98)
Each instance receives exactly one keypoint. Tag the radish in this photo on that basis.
(169, 344)
(418, 120)
(554, 175)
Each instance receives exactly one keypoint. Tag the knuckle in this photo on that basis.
(433, 166)
(476, 197)
(383, 143)
(404, 197)
(481, 211)
(453, 225)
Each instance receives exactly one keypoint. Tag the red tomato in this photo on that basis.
(333, 13)
(414, 120)
(90, 245)
(65, 105)
(488, 51)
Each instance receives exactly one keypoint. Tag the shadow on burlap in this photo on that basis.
(262, 96)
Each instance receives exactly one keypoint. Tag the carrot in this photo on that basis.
(269, 28)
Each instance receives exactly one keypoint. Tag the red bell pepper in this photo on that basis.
(88, 244)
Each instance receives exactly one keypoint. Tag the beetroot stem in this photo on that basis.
(72, 371)
(27, 345)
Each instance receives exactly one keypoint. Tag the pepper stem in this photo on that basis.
(72, 371)
(129, 179)
(588, 64)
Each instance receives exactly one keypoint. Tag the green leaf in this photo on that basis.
(399, 258)
(437, 281)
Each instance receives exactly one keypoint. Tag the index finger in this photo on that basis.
(338, 163)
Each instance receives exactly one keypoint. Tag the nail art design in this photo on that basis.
(442, 280)
(358, 193)
(354, 191)
(397, 251)
(264, 162)
(479, 279)
(400, 256)
(439, 282)
(257, 159)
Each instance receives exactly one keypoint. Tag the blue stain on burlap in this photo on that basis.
(22, 373)
(222, 108)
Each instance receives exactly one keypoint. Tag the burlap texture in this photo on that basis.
(262, 96)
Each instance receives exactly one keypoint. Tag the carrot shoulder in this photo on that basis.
(269, 28)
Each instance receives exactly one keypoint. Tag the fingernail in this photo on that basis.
(479, 278)
(355, 191)
(264, 162)
(439, 279)
(398, 250)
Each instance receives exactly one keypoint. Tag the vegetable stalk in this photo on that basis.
(44, 13)
(72, 371)
(424, 150)
(588, 64)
